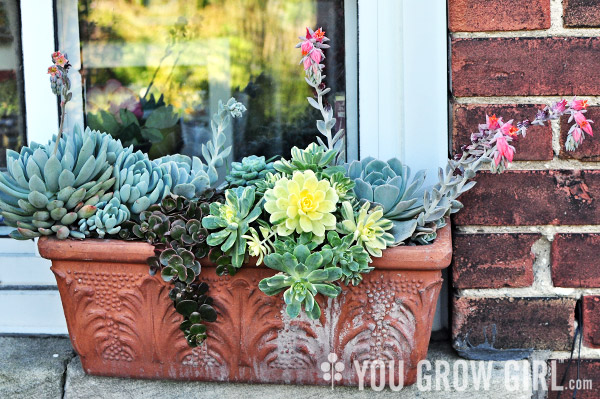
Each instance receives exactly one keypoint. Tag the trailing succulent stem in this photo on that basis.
(175, 229)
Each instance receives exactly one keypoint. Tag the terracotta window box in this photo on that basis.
(123, 324)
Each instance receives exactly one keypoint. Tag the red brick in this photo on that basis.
(575, 260)
(537, 323)
(535, 146)
(493, 260)
(532, 198)
(526, 66)
(475, 15)
(588, 370)
(581, 13)
(590, 149)
(591, 321)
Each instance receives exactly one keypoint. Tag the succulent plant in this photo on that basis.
(174, 227)
(352, 259)
(214, 152)
(107, 220)
(302, 204)
(367, 227)
(268, 182)
(389, 185)
(179, 263)
(196, 307)
(251, 170)
(139, 181)
(187, 176)
(257, 246)
(45, 190)
(232, 220)
(416, 212)
(343, 186)
(315, 157)
(174, 223)
(303, 275)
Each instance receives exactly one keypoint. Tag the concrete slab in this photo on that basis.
(82, 386)
(33, 367)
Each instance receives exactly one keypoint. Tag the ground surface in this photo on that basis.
(48, 368)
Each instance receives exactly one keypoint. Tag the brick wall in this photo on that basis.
(527, 244)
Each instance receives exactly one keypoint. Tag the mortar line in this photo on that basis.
(519, 100)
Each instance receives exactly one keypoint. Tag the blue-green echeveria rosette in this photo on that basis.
(389, 185)
(139, 181)
(44, 192)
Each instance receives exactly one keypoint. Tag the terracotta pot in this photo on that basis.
(122, 323)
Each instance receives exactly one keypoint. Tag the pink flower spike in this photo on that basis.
(578, 105)
(53, 71)
(504, 149)
(316, 55)
(583, 123)
(560, 106)
(509, 130)
(492, 122)
(307, 63)
(308, 35)
(319, 35)
(56, 55)
(577, 135)
(306, 47)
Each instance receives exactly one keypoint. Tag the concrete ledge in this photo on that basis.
(33, 367)
(47, 368)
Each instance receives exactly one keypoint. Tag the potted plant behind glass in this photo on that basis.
(342, 261)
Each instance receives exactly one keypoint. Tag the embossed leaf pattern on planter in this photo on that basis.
(147, 317)
(123, 324)
(91, 320)
(246, 329)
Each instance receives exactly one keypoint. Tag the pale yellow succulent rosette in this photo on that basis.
(303, 204)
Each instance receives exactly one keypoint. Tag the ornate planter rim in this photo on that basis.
(436, 256)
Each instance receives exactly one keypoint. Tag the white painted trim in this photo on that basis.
(25, 270)
(425, 39)
(31, 312)
(403, 82)
(351, 66)
(37, 36)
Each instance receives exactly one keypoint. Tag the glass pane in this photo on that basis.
(12, 130)
(169, 62)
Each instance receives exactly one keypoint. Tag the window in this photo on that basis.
(177, 58)
(391, 100)
(12, 129)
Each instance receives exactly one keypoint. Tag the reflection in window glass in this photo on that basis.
(153, 70)
(12, 132)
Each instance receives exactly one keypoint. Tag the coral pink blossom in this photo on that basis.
(578, 105)
(53, 71)
(307, 63)
(308, 35)
(577, 135)
(319, 35)
(509, 130)
(560, 106)
(504, 149)
(56, 55)
(316, 55)
(583, 123)
(306, 47)
(492, 122)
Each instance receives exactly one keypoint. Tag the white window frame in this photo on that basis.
(402, 111)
